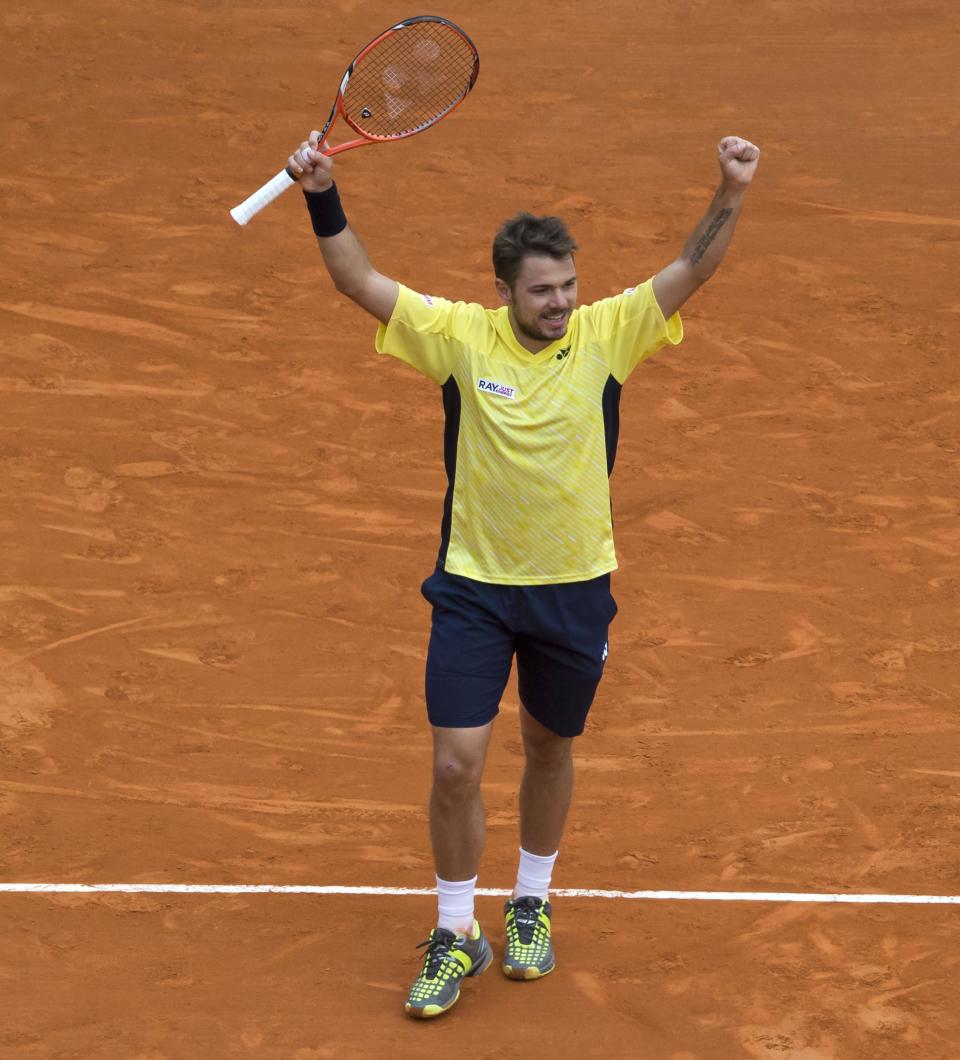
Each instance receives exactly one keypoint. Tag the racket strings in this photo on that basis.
(409, 80)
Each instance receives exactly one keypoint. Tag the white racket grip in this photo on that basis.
(270, 191)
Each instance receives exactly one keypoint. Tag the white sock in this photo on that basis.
(533, 875)
(455, 905)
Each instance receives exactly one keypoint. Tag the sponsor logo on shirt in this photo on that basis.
(428, 300)
(499, 389)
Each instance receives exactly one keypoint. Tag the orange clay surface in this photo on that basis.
(218, 504)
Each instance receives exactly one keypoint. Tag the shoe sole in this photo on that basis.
(432, 1011)
(523, 974)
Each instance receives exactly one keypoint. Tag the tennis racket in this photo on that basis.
(404, 81)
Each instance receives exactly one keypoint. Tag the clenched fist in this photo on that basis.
(738, 160)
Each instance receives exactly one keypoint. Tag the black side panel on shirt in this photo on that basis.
(451, 435)
(611, 419)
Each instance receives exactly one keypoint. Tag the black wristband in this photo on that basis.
(326, 213)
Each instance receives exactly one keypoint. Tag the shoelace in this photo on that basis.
(526, 915)
(438, 951)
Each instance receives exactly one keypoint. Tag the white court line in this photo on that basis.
(568, 892)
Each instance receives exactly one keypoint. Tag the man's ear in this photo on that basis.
(503, 289)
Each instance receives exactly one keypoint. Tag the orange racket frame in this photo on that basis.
(285, 179)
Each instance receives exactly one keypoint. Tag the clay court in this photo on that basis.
(218, 504)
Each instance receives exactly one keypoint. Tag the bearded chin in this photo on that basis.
(537, 333)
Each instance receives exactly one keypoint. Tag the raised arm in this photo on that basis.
(708, 242)
(343, 253)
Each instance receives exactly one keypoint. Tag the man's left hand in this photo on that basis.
(738, 160)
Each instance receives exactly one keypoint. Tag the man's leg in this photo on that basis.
(456, 948)
(546, 788)
(545, 794)
(560, 660)
(468, 664)
(457, 826)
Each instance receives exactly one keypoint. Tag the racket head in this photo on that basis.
(407, 79)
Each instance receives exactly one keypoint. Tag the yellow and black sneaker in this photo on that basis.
(529, 953)
(449, 958)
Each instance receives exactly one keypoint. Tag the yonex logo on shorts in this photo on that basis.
(496, 388)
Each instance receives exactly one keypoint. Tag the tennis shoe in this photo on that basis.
(529, 952)
(449, 959)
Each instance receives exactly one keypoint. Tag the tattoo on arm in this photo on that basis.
(710, 235)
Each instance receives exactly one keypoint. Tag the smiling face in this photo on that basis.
(541, 300)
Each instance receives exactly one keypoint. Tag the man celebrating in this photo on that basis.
(531, 395)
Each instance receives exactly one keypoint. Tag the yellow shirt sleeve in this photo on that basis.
(428, 333)
(631, 327)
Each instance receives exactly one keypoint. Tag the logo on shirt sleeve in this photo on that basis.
(500, 389)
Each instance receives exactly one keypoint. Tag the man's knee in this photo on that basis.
(546, 750)
(458, 762)
(454, 776)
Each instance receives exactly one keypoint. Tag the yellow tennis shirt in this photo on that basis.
(530, 438)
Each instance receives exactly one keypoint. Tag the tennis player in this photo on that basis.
(531, 395)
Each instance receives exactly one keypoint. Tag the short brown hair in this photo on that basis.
(526, 234)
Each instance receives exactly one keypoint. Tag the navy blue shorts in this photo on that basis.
(558, 633)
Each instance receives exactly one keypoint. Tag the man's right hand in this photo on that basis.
(343, 254)
(314, 170)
